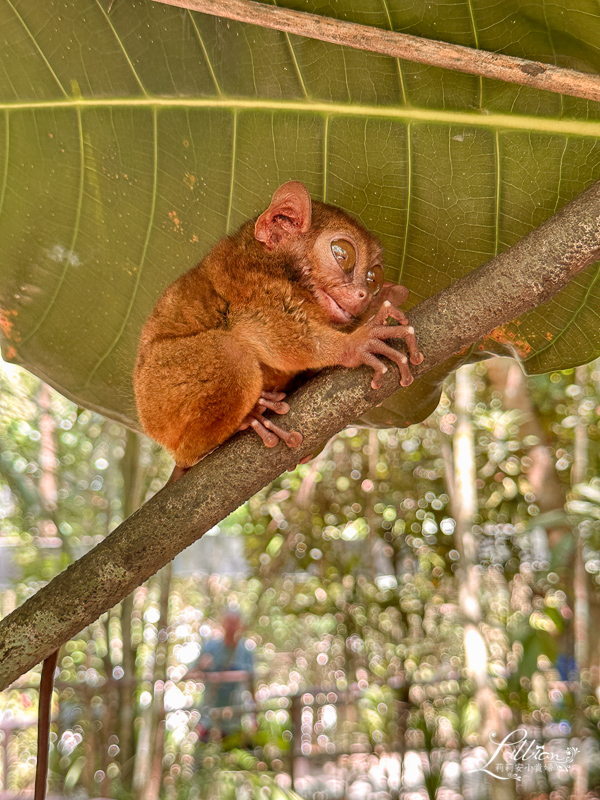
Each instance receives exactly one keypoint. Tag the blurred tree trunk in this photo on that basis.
(463, 493)
(127, 687)
(154, 784)
(48, 525)
(582, 603)
(593, 638)
(580, 588)
(133, 486)
(373, 539)
(110, 699)
(90, 745)
(47, 484)
(149, 758)
(508, 379)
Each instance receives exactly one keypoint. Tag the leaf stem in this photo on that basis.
(401, 45)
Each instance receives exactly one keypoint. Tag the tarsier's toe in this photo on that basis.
(275, 405)
(269, 439)
(295, 439)
(417, 359)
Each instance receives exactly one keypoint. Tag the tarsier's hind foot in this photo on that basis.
(268, 430)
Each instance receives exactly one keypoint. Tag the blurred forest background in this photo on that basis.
(407, 595)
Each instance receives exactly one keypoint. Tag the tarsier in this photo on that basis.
(298, 289)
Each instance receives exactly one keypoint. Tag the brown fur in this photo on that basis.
(247, 319)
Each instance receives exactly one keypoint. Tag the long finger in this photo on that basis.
(397, 357)
(378, 366)
(405, 332)
(411, 343)
(416, 357)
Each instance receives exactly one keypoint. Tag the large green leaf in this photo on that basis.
(131, 140)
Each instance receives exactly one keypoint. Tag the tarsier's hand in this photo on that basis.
(369, 341)
(268, 430)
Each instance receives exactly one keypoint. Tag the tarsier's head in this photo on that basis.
(338, 259)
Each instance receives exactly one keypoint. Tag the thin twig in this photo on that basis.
(401, 45)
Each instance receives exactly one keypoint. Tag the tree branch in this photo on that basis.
(402, 45)
(528, 274)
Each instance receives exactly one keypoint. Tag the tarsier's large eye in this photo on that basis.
(344, 253)
(375, 279)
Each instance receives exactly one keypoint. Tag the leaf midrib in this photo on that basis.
(524, 122)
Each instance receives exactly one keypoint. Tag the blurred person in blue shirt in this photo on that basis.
(226, 668)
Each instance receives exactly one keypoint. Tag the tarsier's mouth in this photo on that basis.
(334, 309)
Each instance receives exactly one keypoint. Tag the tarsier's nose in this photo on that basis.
(361, 294)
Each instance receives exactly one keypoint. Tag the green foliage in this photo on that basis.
(352, 603)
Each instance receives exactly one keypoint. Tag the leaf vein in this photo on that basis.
(123, 48)
(295, 60)
(69, 255)
(408, 198)
(38, 48)
(232, 181)
(325, 157)
(397, 60)
(206, 56)
(6, 158)
(140, 268)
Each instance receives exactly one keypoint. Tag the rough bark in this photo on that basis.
(528, 274)
(402, 45)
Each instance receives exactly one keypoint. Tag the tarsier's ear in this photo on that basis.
(288, 215)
